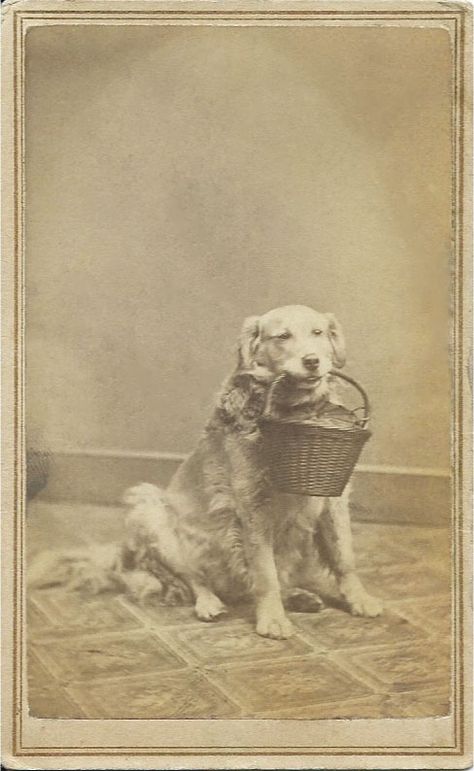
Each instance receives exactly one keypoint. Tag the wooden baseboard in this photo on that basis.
(380, 493)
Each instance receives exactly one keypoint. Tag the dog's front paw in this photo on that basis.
(360, 602)
(366, 605)
(272, 622)
(208, 607)
(276, 628)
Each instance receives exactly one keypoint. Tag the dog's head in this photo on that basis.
(295, 341)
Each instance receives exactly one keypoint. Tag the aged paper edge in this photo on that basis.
(230, 744)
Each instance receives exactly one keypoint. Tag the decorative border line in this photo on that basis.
(232, 13)
(459, 20)
(218, 751)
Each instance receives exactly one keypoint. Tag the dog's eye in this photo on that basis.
(317, 331)
(283, 336)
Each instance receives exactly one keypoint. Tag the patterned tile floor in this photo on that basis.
(108, 658)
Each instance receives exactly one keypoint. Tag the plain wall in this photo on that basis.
(179, 179)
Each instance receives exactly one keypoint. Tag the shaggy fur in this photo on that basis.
(219, 532)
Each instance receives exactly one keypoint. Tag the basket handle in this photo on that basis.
(362, 422)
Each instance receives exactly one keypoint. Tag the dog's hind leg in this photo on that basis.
(152, 531)
(337, 537)
(302, 601)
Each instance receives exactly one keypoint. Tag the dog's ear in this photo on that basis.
(248, 347)
(336, 338)
(248, 343)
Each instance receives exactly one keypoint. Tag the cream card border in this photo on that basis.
(405, 743)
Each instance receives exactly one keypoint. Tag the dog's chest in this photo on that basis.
(300, 512)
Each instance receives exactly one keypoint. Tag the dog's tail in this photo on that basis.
(92, 569)
(133, 567)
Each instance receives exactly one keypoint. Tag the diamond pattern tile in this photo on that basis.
(378, 545)
(365, 707)
(91, 656)
(418, 703)
(167, 696)
(70, 613)
(105, 657)
(335, 629)
(433, 616)
(223, 643)
(402, 668)
(45, 698)
(51, 702)
(289, 684)
(153, 614)
(398, 582)
(35, 618)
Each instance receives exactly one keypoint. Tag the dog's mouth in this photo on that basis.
(299, 389)
(306, 383)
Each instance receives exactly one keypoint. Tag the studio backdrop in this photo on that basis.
(195, 176)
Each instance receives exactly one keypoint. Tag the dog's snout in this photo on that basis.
(311, 362)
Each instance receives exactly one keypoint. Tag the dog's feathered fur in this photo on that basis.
(219, 532)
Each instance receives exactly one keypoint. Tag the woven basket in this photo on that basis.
(308, 459)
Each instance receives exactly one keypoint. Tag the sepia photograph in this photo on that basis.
(238, 392)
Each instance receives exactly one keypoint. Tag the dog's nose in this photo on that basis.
(311, 362)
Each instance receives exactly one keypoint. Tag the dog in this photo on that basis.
(219, 532)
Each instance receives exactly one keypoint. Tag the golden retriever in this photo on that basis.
(220, 531)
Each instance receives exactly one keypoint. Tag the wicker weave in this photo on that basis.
(308, 459)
